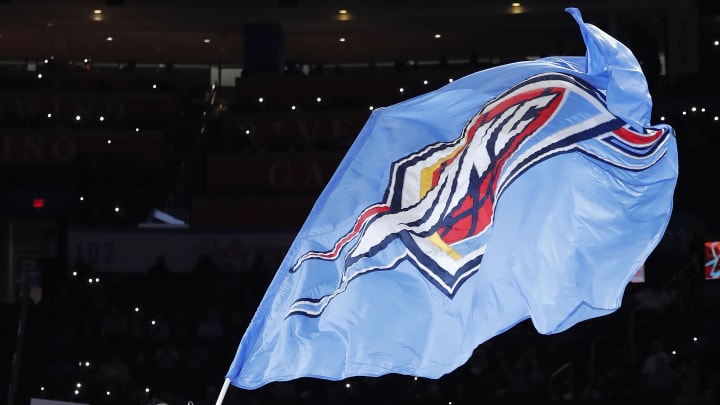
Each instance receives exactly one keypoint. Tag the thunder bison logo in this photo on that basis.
(438, 208)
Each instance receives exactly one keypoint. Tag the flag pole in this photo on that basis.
(223, 391)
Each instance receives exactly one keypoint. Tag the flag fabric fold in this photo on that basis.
(530, 190)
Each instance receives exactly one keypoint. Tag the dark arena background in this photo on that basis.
(158, 156)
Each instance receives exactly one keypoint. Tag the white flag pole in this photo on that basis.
(223, 391)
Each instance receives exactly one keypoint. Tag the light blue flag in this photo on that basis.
(530, 190)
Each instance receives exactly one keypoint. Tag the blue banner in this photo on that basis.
(531, 190)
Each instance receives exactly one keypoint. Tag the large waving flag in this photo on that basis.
(530, 190)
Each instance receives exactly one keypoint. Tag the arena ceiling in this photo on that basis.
(211, 31)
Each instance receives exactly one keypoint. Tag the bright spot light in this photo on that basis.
(117, 209)
(450, 80)
(662, 118)
(152, 322)
(87, 364)
(107, 393)
(342, 39)
(415, 378)
(371, 108)
(78, 385)
(154, 86)
(402, 90)
(684, 112)
(261, 99)
(147, 389)
(109, 39)
(516, 4)
(342, 12)
(292, 108)
(77, 392)
(49, 115)
(438, 36)
(693, 109)
(716, 43)
(77, 118)
(97, 279)
(101, 118)
(425, 82)
(674, 352)
(137, 129)
(319, 99)
(716, 118)
(89, 281)
(206, 40)
(97, 11)
(695, 339)
(74, 273)
(39, 75)
(137, 309)
(702, 109)
(42, 388)
(109, 141)
(347, 385)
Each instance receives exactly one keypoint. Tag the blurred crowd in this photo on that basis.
(158, 336)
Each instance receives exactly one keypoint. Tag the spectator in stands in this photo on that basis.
(167, 358)
(661, 380)
(159, 271)
(690, 384)
(206, 270)
(113, 374)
